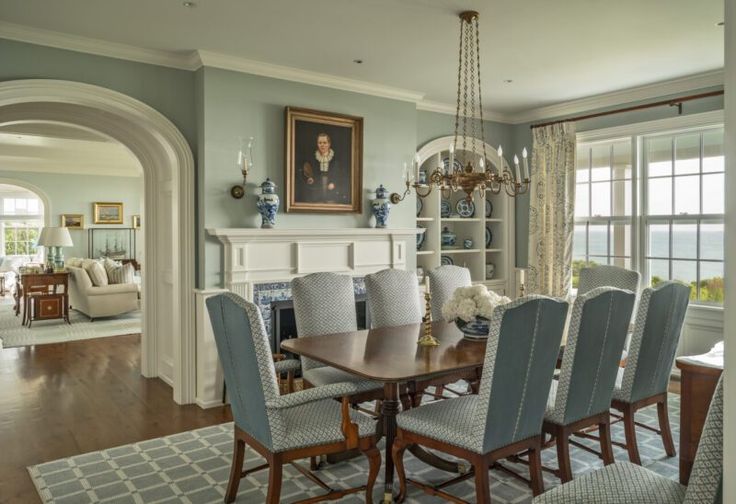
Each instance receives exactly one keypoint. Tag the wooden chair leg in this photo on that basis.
(563, 455)
(664, 426)
(535, 470)
(314, 463)
(236, 469)
(374, 464)
(604, 432)
(274, 479)
(290, 382)
(630, 432)
(439, 390)
(482, 484)
(398, 456)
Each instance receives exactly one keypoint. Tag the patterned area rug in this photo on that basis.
(13, 334)
(193, 467)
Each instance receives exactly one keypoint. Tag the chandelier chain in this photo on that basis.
(480, 91)
(459, 76)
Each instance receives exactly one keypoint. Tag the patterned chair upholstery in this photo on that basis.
(520, 359)
(443, 282)
(272, 422)
(608, 276)
(645, 378)
(582, 396)
(324, 303)
(626, 483)
(393, 298)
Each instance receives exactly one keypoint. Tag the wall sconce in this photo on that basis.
(245, 163)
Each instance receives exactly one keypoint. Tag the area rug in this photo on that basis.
(193, 467)
(13, 334)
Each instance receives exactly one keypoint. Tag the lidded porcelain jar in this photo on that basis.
(381, 206)
(448, 237)
(268, 204)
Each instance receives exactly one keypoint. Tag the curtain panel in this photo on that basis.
(552, 210)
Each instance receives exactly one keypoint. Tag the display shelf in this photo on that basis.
(425, 219)
(425, 252)
(459, 219)
(459, 251)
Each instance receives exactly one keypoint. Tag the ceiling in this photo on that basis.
(552, 51)
(63, 149)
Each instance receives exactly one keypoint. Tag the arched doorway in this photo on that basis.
(168, 171)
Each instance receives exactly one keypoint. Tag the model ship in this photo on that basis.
(117, 252)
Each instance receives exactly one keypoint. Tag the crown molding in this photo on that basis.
(639, 93)
(95, 46)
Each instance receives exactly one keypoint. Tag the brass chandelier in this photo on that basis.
(468, 143)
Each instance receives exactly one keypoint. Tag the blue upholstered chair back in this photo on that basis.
(596, 337)
(608, 276)
(245, 355)
(521, 354)
(324, 303)
(657, 332)
(393, 298)
(443, 282)
(706, 478)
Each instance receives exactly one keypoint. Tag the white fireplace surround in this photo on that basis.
(261, 256)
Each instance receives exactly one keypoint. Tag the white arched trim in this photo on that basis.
(37, 191)
(168, 171)
(442, 144)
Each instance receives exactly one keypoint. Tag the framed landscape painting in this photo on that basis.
(72, 221)
(108, 213)
(324, 156)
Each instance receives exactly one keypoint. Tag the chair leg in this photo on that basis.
(563, 455)
(535, 470)
(630, 432)
(274, 479)
(398, 456)
(664, 426)
(604, 432)
(439, 390)
(290, 382)
(236, 469)
(482, 484)
(374, 464)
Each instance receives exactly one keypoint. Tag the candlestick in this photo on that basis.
(426, 339)
(516, 168)
(526, 164)
(522, 281)
(416, 166)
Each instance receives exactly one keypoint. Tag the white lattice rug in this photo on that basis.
(13, 334)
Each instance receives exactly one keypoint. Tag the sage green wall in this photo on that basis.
(522, 136)
(431, 125)
(74, 194)
(241, 105)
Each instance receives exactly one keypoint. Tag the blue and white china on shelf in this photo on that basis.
(381, 206)
(489, 236)
(457, 165)
(422, 177)
(467, 243)
(445, 209)
(420, 274)
(420, 239)
(489, 208)
(490, 270)
(268, 204)
(446, 260)
(478, 328)
(420, 206)
(448, 237)
(465, 208)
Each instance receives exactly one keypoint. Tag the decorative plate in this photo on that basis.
(489, 208)
(489, 236)
(445, 209)
(446, 261)
(457, 164)
(465, 208)
(420, 240)
(420, 205)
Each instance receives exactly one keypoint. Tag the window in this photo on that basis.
(655, 203)
(21, 220)
(20, 238)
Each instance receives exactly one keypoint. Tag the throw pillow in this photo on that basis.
(75, 262)
(96, 273)
(118, 273)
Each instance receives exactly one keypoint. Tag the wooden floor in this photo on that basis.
(64, 399)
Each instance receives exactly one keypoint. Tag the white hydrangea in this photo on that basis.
(467, 303)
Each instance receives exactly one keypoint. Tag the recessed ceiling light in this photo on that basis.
(508, 81)
(189, 5)
(358, 61)
(720, 23)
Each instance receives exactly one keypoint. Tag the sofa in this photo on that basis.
(100, 301)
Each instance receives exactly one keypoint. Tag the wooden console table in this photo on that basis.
(699, 376)
(40, 297)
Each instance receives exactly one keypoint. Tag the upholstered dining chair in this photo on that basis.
(645, 378)
(443, 282)
(393, 298)
(582, 396)
(608, 276)
(505, 417)
(280, 428)
(626, 483)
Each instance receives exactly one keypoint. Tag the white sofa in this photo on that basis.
(103, 301)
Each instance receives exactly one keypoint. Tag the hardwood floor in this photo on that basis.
(63, 399)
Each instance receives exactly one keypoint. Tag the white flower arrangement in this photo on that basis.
(467, 303)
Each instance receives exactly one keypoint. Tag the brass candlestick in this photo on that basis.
(427, 339)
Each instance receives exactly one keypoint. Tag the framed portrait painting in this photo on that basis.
(108, 213)
(324, 156)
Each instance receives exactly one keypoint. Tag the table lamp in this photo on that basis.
(54, 238)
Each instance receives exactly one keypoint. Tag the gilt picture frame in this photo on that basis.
(324, 158)
(72, 221)
(107, 213)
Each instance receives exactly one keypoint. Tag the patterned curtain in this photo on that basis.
(552, 210)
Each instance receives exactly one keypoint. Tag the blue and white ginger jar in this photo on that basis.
(381, 207)
(268, 204)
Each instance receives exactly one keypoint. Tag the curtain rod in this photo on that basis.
(674, 102)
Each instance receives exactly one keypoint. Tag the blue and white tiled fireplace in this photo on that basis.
(259, 264)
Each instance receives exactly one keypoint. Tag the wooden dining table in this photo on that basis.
(391, 355)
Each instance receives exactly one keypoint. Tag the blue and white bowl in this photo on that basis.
(477, 328)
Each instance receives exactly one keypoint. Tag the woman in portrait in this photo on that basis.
(325, 179)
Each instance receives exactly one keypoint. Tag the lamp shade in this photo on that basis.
(55, 237)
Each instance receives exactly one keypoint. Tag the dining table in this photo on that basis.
(392, 356)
